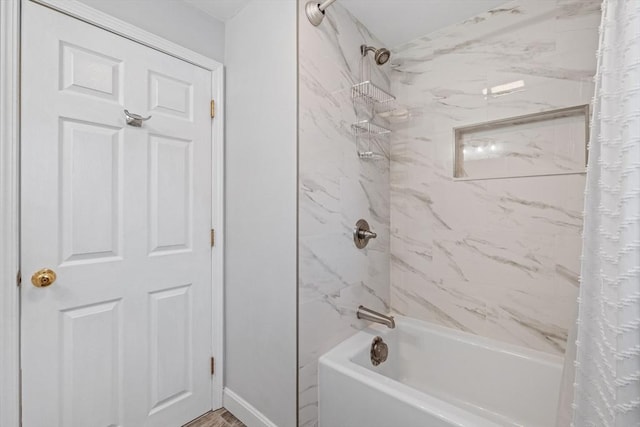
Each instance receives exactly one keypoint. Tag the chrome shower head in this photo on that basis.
(381, 55)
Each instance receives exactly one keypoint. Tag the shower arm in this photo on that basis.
(315, 11)
(324, 5)
(364, 49)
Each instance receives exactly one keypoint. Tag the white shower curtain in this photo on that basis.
(607, 374)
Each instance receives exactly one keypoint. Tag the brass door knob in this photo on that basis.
(43, 278)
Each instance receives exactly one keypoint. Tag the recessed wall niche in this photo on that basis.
(546, 143)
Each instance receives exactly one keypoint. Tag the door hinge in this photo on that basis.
(213, 366)
(213, 237)
(213, 108)
(19, 278)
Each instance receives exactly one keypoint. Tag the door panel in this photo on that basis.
(91, 341)
(90, 189)
(170, 96)
(171, 347)
(122, 214)
(170, 199)
(89, 72)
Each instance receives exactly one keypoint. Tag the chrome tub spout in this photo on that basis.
(373, 316)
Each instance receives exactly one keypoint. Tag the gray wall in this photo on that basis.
(261, 240)
(174, 20)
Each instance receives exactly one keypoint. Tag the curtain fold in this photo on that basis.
(607, 366)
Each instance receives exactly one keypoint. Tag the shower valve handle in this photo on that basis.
(362, 234)
(366, 234)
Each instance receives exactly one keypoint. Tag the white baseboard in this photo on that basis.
(242, 410)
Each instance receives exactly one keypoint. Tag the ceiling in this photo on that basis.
(394, 22)
(220, 9)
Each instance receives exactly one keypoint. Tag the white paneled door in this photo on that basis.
(122, 215)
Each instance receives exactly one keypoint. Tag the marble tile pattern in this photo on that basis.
(336, 188)
(500, 257)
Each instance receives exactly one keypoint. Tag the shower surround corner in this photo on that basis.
(336, 188)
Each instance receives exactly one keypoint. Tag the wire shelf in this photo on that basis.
(365, 127)
(370, 93)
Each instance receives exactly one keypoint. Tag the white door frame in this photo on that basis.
(10, 191)
(9, 214)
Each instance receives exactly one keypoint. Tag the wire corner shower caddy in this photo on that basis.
(369, 97)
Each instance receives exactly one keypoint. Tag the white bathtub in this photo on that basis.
(436, 377)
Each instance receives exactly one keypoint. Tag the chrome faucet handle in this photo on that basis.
(366, 234)
(135, 120)
(362, 234)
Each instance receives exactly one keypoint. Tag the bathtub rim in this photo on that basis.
(341, 359)
(439, 408)
(470, 338)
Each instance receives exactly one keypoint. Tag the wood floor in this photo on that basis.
(219, 418)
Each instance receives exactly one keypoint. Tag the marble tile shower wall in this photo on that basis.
(336, 189)
(501, 257)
